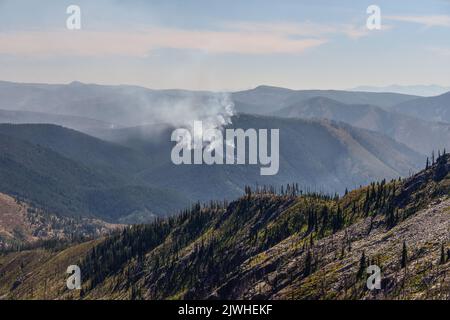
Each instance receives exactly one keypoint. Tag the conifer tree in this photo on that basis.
(404, 260)
(442, 260)
(362, 265)
(308, 262)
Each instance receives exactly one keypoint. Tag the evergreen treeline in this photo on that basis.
(189, 254)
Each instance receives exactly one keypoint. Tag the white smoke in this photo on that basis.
(213, 109)
(179, 109)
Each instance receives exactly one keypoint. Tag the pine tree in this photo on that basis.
(308, 262)
(442, 260)
(362, 265)
(404, 260)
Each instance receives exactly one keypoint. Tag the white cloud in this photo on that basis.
(242, 38)
(306, 29)
(426, 20)
(140, 44)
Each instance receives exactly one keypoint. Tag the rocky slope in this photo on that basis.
(265, 245)
(23, 225)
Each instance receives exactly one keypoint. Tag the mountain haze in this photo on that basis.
(90, 126)
(317, 154)
(325, 148)
(266, 99)
(133, 106)
(420, 135)
(429, 108)
(133, 176)
(116, 105)
(419, 90)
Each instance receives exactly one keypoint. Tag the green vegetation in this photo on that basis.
(266, 244)
(50, 181)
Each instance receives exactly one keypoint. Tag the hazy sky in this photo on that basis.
(227, 44)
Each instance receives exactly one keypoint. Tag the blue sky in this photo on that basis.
(226, 45)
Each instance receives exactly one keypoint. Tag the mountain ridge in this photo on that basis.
(112, 104)
(428, 108)
(338, 159)
(52, 181)
(265, 245)
(421, 135)
(418, 90)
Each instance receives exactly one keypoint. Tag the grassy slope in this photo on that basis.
(40, 274)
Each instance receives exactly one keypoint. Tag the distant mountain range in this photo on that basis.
(133, 106)
(94, 108)
(83, 124)
(330, 141)
(269, 100)
(72, 173)
(431, 109)
(266, 99)
(317, 154)
(418, 90)
(423, 136)
(111, 105)
(79, 162)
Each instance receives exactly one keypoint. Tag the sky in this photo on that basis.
(226, 45)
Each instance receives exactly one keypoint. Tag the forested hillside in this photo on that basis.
(131, 178)
(318, 154)
(49, 180)
(267, 244)
(23, 226)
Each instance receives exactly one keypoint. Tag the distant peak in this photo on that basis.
(272, 88)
